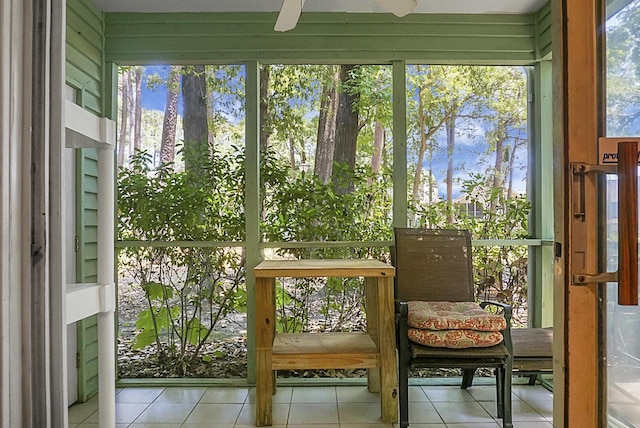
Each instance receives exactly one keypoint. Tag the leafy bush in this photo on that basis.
(187, 289)
(301, 208)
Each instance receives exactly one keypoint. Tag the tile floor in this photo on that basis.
(314, 406)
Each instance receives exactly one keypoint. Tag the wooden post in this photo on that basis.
(576, 126)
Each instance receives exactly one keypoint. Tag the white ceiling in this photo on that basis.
(355, 6)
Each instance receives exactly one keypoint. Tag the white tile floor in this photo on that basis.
(314, 406)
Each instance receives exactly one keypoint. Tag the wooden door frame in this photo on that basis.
(578, 393)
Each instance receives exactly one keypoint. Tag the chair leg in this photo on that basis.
(500, 391)
(532, 379)
(467, 378)
(507, 421)
(403, 394)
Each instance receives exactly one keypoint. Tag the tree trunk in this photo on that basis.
(422, 117)
(510, 154)
(325, 146)
(378, 148)
(497, 170)
(131, 107)
(211, 98)
(194, 119)
(451, 144)
(512, 160)
(264, 108)
(137, 130)
(292, 154)
(347, 128)
(124, 118)
(168, 139)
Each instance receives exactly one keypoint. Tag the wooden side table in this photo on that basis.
(374, 349)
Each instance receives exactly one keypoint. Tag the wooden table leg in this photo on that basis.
(264, 388)
(371, 308)
(387, 346)
(265, 330)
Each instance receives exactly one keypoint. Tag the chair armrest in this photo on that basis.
(402, 309)
(508, 314)
(402, 329)
(507, 311)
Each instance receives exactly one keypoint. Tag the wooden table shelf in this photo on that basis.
(324, 351)
(374, 349)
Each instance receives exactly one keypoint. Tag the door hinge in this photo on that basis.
(77, 244)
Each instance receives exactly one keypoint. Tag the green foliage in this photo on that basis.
(298, 207)
(187, 289)
(500, 272)
(623, 69)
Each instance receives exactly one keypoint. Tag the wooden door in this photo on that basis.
(582, 282)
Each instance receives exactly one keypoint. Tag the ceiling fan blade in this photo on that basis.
(398, 7)
(289, 14)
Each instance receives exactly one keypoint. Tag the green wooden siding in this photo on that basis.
(145, 38)
(543, 31)
(85, 58)
(85, 72)
(87, 215)
(87, 267)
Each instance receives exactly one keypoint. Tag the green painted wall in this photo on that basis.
(136, 38)
(85, 72)
(543, 32)
(85, 53)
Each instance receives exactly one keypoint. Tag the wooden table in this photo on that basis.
(374, 349)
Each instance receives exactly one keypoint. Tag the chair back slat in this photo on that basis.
(433, 265)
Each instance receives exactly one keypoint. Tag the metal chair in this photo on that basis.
(435, 265)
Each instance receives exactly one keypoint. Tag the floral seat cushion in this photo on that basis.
(453, 316)
(458, 339)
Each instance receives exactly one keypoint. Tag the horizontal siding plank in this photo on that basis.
(415, 56)
(543, 31)
(92, 70)
(92, 367)
(91, 251)
(175, 29)
(90, 167)
(85, 52)
(91, 350)
(91, 217)
(544, 20)
(319, 38)
(90, 201)
(79, 80)
(85, 79)
(88, 29)
(544, 43)
(91, 265)
(235, 43)
(84, 48)
(544, 13)
(87, 9)
(91, 235)
(91, 185)
(314, 17)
